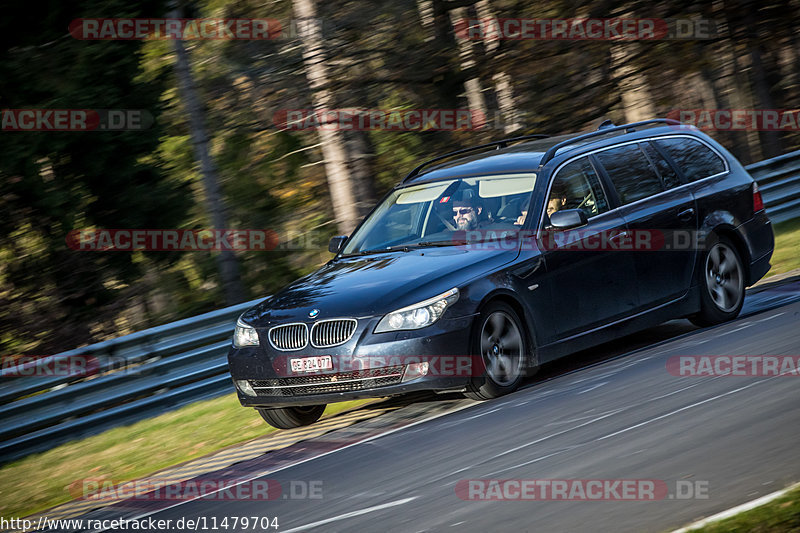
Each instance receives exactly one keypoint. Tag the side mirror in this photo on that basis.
(337, 243)
(568, 218)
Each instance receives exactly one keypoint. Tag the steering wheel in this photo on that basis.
(585, 200)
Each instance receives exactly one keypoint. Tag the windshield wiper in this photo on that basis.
(441, 243)
(407, 247)
(403, 247)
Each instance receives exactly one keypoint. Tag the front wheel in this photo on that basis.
(292, 417)
(501, 342)
(722, 285)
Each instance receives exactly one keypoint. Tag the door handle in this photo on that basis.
(687, 214)
(618, 236)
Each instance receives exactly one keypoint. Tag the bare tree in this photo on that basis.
(634, 88)
(333, 143)
(503, 90)
(227, 262)
(472, 83)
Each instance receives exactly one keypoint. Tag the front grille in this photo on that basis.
(289, 337)
(327, 383)
(327, 333)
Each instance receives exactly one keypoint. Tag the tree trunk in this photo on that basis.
(714, 78)
(737, 81)
(227, 262)
(472, 83)
(503, 90)
(633, 86)
(428, 18)
(361, 158)
(333, 144)
(770, 140)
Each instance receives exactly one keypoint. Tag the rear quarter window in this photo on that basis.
(693, 158)
(631, 172)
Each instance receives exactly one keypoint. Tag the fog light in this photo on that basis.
(244, 386)
(415, 370)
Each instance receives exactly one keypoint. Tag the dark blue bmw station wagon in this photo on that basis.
(510, 254)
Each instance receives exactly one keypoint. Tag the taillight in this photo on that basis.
(758, 202)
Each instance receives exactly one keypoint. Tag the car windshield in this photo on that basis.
(431, 214)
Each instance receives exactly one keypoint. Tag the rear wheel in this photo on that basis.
(292, 417)
(722, 284)
(501, 342)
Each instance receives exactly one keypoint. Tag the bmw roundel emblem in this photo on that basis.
(313, 313)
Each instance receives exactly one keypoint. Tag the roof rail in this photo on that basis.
(604, 129)
(499, 144)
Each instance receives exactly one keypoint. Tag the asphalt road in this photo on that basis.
(610, 413)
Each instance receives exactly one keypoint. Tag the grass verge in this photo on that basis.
(41, 481)
(787, 247)
(778, 516)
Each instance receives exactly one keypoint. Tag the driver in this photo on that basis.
(466, 212)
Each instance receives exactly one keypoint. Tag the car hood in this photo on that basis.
(376, 284)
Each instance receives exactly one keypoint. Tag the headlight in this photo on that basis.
(418, 315)
(244, 335)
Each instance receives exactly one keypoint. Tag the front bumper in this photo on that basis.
(267, 367)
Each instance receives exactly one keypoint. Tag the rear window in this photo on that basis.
(631, 172)
(695, 159)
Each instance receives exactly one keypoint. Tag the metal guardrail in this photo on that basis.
(136, 376)
(779, 182)
(153, 371)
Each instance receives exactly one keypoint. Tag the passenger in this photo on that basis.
(557, 201)
(555, 204)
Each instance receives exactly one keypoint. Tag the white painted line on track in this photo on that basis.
(351, 514)
(272, 471)
(736, 510)
(776, 315)
(593, 387)
(676, 411)
(537, 441)
(679, 390)
(526, 463)
(481, 414)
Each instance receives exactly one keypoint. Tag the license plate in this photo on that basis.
(312, 364)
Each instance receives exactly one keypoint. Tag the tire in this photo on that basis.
(721, 284)
(501, 341)
(292, 417)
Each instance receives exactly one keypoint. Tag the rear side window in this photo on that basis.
(695, 159)
(577, 186)
(630, 171)
(667, 173)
